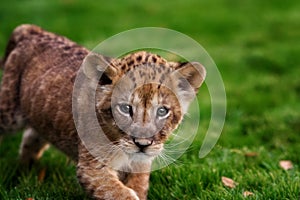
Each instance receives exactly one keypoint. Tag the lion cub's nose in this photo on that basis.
(142, 142)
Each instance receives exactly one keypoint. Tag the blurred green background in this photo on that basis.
(256, 46)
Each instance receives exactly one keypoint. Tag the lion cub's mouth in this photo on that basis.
(145, 147)
(142, 143)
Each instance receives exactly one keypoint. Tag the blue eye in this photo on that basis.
(126, 109)
(162, 111)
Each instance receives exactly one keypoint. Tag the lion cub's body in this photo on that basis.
(47, 65)
(40, 69)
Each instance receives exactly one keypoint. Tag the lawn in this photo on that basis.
(256, 46)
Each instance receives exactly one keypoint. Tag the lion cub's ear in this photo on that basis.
(189, 77)
(96, 66)
(194, 73)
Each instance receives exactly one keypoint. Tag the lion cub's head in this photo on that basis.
(142, 98)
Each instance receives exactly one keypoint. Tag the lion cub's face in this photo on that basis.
(148, 98)
(145, 109)
(146, 118)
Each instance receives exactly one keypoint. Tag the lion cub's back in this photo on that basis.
(50, 63)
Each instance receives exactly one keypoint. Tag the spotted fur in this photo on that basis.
(140, 99)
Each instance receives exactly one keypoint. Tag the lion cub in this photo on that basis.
(138, 100)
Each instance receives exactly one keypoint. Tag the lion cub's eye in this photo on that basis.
(126, 109)
(162, 111)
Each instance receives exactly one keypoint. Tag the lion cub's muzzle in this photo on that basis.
(142, 143)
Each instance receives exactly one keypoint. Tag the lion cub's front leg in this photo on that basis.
(99, 180)
(139, 182)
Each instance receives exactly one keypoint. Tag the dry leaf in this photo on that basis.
(251, 154)
(30, 198)
(247, 193)
(42, 175)
(228, 182)
(286, 164)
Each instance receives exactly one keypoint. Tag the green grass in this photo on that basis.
(255, 45)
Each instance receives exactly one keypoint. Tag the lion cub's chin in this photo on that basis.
(134, 153)
(143, 157)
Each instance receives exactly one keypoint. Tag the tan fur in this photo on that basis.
(40, 69)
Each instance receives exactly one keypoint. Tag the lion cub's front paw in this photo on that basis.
(133, 195)
(119, 194)
(126, 194)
